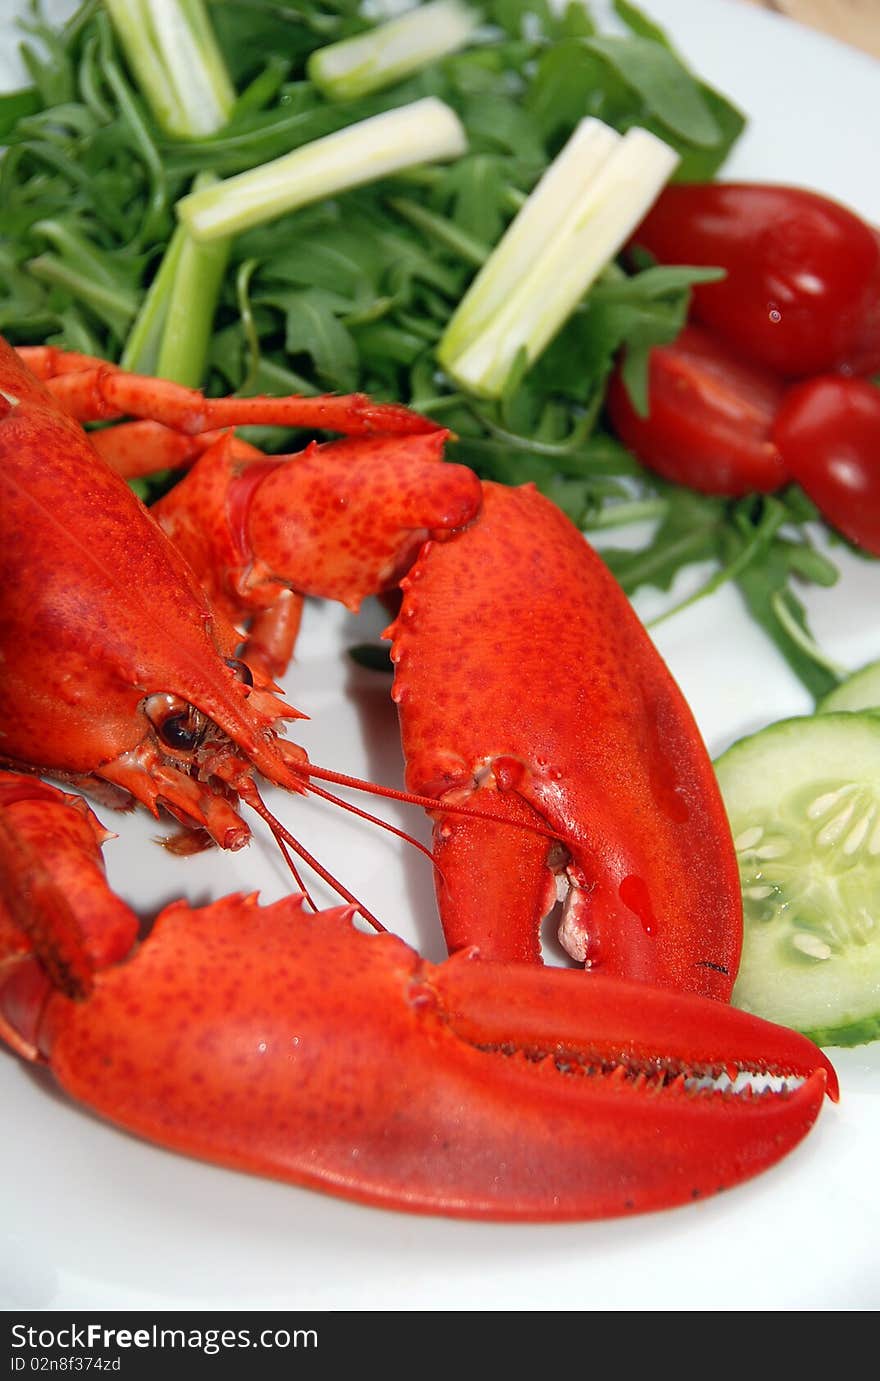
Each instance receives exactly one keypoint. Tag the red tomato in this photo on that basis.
(709, 419)
(828, 432)
(864, 357)
(802, 291)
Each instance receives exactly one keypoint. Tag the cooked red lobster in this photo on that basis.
(541, 730)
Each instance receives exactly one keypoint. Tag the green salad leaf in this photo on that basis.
(355, 291)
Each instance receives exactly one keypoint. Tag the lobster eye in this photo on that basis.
(241, 670)
(181, 731)
(178, 724)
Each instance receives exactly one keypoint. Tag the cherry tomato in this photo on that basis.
(864, 356)
(802, 291)
(828, 433)
(709, 420)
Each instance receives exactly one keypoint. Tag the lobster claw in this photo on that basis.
(295, 1046)
(338, 521)
(526, 686)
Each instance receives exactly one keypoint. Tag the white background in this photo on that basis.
(93, 1218)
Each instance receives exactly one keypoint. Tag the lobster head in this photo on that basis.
(105, 624)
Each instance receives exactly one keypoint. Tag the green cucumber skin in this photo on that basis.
(859, 1033)
(859, 692)
(761, 776)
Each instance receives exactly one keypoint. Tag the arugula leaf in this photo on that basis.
(249, 29)
(690, 532)
(634, 81)
(356, 291)
(665, 87)
(372, 656)
(334, 258)
(523, 18)
(15, 106)
(639, 23)
(568, 85)
(475, 187)
(635, 314)
(313, 328)
(699, 162)
(747, 539)
(771, 601)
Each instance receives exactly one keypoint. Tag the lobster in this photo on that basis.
(292, 1045)
(602, 754)
(541, 731)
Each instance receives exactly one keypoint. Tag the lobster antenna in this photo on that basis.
(374, 819)
(297, 876)
(250, 794)
(429, 803)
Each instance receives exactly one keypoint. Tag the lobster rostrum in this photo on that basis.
(528, 692)
(293, 1045)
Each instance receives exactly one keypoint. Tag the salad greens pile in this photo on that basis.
(355, 291)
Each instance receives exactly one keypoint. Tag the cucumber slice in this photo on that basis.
(803, 798)
(861, 691)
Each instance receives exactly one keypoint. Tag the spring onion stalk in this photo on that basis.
(173, 53)
(141, 351)
(393, 50)
(186, 338)
(576, 220)
(424, 131)
(172, 333)
(546, 214)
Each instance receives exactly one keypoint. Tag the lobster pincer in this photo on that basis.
(526, 684)
(293, 1045)
(342, 521)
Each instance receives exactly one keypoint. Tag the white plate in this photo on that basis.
(93, 1218)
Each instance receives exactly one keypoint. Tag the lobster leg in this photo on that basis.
(555, 705)
(339, 521)
(272, 635)
(136, 449)
(292, 1045)
(91, 391)
(54, 901)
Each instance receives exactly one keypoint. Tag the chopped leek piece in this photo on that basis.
(545, 215)
(173, 53)
(578, 217)
(172, 333)
(356, 66)
(189, 322)
(421, 132)
(141, 351)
